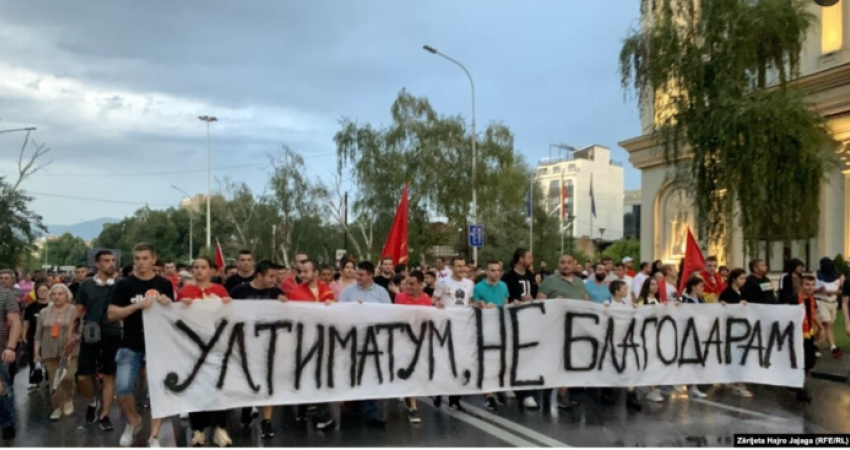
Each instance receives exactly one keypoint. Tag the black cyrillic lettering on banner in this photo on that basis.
(514, 313)
(730, 339)
(405, 373)
(569, 340)
(754, 336)
(629, 343)
(272, 327)
(675, 340)
(390, 327)
(172, 380)
(350, 340)
(370, 341)
(647, 321)
(317, 350)
(502, 347)
(237, 337)
(778, 338)
(692, 334)
(444, 339)
(714, 339)
(609, 344)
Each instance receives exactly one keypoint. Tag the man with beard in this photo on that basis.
(520, 279)
(294, 279)
(97, 353)
(597, 288)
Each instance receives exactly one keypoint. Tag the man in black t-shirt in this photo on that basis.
(244, 270)
(758, 288)
(130, 296)
(520, 278)
(263, 286)
(385, 278)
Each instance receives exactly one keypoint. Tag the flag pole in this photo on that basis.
(561, 200)
(531, 214)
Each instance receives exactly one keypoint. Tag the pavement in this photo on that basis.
(678, 422)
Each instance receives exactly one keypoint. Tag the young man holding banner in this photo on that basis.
(488, 294)
(130, 297)
(263, 286)
(454, 292)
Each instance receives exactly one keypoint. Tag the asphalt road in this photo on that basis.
(678, 422)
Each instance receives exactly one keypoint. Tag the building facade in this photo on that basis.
(631, 213)
(825, 77)
(576, 172)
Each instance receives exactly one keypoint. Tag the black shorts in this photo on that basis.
(100, 357)
(809, 350)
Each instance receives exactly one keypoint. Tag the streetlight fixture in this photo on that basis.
(208, 119)
(474, 211)
(191, 222)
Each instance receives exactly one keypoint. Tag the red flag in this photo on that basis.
(219, 256)
(396, 246)
(693, 261)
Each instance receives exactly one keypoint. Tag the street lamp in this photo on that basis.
(191, 223)
(430, 49)
(208, 119)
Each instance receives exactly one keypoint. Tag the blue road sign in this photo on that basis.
(476, 236)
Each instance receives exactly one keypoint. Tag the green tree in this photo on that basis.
(707, 66)
(622, 248)
(19, 225)
(66, 250)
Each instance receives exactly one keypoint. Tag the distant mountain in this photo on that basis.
(86, 230)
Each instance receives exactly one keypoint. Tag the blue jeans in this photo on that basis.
(128, 365)
(374, 409)
(7, 399)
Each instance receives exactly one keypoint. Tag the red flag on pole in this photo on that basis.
(396, 246)
(219, 256)
(693, 261)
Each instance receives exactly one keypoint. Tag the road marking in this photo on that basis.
(515, 427)
(740, 410)
(492, 430)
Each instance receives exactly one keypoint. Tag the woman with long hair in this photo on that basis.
(790, 282)
(30, 324)
(732, 295)
(649, 296)
(347, 271)
(204, 289)
(53, 341)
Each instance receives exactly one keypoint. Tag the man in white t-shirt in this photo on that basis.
(620, 274)
(640, 277)
(454, 291)
(442, 270)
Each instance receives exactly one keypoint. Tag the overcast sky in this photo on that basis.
(115, 87)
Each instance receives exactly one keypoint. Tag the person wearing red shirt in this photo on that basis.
(311, 289)
(412, 294)
(294, 279)
(205, 289)
(714, 285)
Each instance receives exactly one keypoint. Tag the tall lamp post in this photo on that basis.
(191, 222)
(208, 119)
(474, 154)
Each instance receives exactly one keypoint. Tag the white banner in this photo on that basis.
(210, 356)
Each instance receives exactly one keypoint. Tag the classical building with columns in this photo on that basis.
(825, 77)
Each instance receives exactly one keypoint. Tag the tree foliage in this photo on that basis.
(19, 226)
(734, 129)
(66, 250)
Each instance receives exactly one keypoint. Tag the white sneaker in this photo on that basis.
(198, 439)
(655, 396)
(695, 392)
(529, 403)
(57, 414)
(221, 438)
(742, 391)
(68, 409)
(129, 434)
(153, 442)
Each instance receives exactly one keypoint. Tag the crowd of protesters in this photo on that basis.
(85, 334)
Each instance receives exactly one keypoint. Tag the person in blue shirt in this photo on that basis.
(365, 290)
(597, 289)
(491, 291)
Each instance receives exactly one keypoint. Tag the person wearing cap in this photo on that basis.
(628, 262)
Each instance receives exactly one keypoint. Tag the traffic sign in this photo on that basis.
(476, 236)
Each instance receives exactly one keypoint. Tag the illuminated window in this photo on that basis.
(831, 28)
